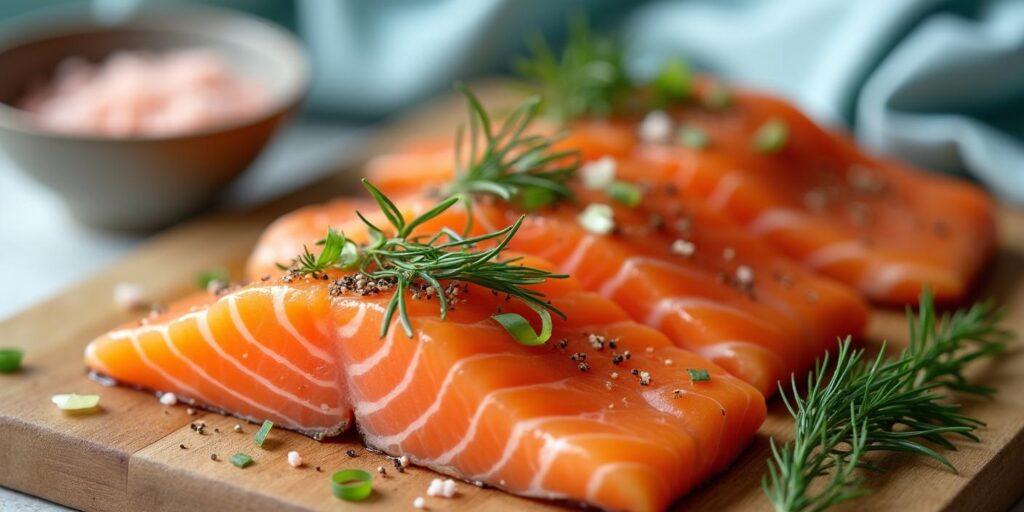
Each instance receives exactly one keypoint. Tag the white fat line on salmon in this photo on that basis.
(724, 190)
(474, 423)
(198, 370)
(573, 261)
(598, 477)
(657, 399)
(133, 336)
(364, 408)
(239, 322)
(392, 441)
(632, 264)
(880, 278)
(203, 324)
(727, 349)
(351, 327)
(278, 293)
(360, 368)
(775, 219)
(835, 253)
(683, 305)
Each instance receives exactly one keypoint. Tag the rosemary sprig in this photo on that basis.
(852, 407)
(512, 164)
(412, 263)
(588, 79)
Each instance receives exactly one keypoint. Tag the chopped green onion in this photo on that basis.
(240, 460)
(10, 359)
(261, 435)
(698, 374)
(716, 97)
(522, 331)
(597, 218)
(212, 275)
(352, 484)
(691, 136)
(674, 81)
(76, 403)
(532, 198)
(625, 193)
(771, 137)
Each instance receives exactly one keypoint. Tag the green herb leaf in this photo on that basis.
(853, 406)
(240, 460)
(674, 82)
(625, 193)
(522, 331)
(261, 434)
(771, 137)
(212, 275)
(698, 374)
(691, 136)
(10, 359)
(352, 484)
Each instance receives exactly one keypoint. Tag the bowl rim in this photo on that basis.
(78, 19)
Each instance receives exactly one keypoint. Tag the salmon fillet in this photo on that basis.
(565, 420)
(882, 227)
(779, 324)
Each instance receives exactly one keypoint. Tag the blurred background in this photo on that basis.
(936, 82)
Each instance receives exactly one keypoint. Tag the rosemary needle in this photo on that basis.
(854, 406)
(409, 262)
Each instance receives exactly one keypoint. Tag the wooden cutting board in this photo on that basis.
(129, 456)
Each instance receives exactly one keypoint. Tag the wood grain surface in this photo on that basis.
(130, 456)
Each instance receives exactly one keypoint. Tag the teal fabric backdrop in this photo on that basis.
(937, 82)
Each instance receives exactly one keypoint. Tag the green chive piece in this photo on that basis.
(10, 359)
(532, 198)
(691, 136)
(212, 275)
(240, 460)
(716, 97)
(771, 137)
(625, 193)
(352, 484)
(674, 82)
(261, 435)
(522, 331)
(698, 374)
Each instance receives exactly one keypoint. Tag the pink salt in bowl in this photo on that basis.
(140, 178)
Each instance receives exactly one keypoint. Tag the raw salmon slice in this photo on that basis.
(565, 420)
(883, 227)
(761, 331)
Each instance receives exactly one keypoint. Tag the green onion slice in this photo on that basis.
(771, 137)
(212, 275)
(352, 484)
(625, 193)
(698, 374)
(76, 403)
(240, 460)
(10, 360)
(674, 81)
(522, 331)
(693, 137)
(532, 198)
(261, 435)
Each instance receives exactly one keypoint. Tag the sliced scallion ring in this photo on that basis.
(352, 484)
(771, 137)
(10, 360)
(625, 193)
(261, 435)
(240, 460)
(522, 331)
(73, 403)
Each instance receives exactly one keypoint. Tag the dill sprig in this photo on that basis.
(511, 163)
(414, 263)
(852, 407)
(588, 79)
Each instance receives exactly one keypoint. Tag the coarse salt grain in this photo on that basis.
(683, 248)
(419, 502)
(128, 296)
(448, 488)
(168, 399)
(294, 459)
(744, 275)
(403, 461)
(656, 127)
(435, 488)
(599, 174)
(597, 218)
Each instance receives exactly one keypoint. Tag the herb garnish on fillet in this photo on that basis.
(408, 263)
(512, 163)
(854, 406)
